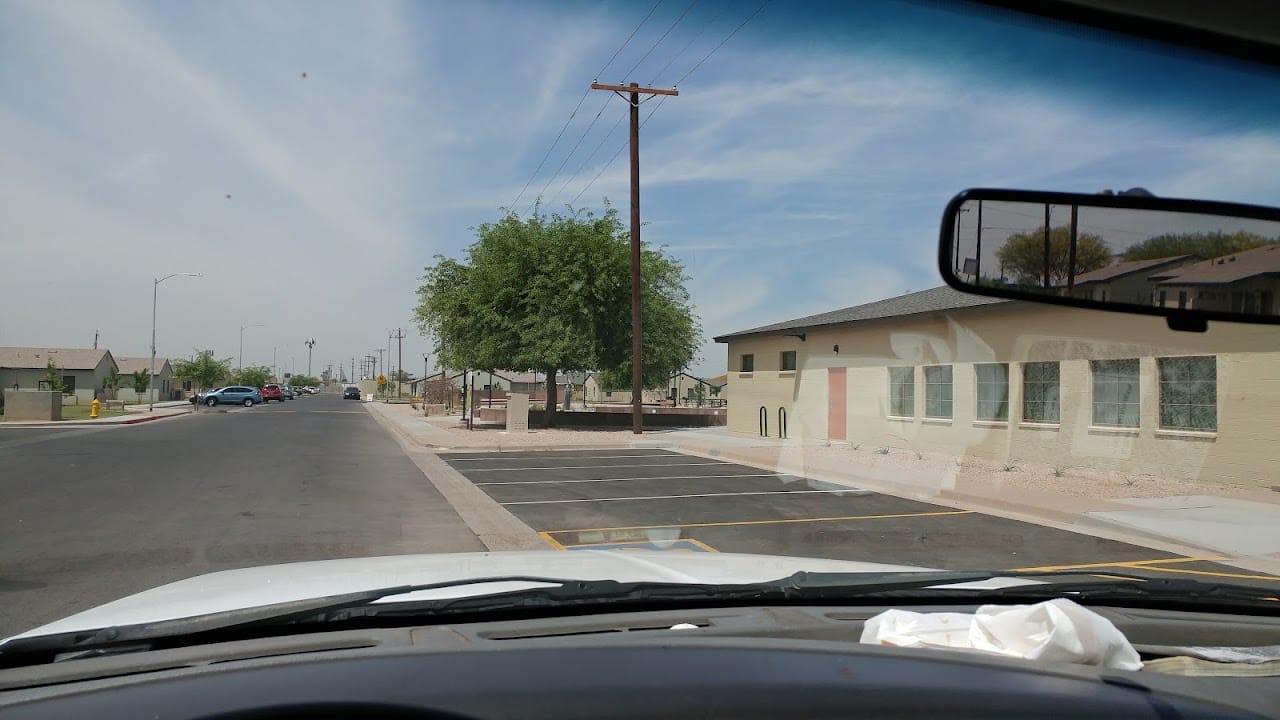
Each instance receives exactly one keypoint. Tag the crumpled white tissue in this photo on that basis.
(1056, 630)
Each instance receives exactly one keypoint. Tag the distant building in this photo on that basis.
(82, 371)
(161, 381)
(940, 370)
(1246, 281)
(1127, 281)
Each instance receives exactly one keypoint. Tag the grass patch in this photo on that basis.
(81, 412)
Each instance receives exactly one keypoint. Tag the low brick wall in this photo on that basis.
(653, 417)
(32, 405)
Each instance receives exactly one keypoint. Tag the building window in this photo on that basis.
(902, 391)
(1041, 392)
(993, 391)
(747, 364)
(788, 360)
(1188, 393)
(1115, 393)
(69, 384)
(937, 391)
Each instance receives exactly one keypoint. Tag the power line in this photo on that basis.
(606, 166)
(660, 39)
(722, 42)
(553, 147)
(628, 40)
(663, 99)
(577, 173)
(706, 26)
(576, 145)
(577, 107)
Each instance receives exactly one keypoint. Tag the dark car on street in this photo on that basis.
(351, 392)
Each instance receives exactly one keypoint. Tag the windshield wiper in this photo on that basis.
(560, 593)
(1085, 587)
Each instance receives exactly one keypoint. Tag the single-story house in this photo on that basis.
(684, 389)
(1126, 281)
(162, 385)
(945, 371)
(82, 370)
(1247, 281)
(597, 393)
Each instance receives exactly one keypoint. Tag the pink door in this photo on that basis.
(836, 403)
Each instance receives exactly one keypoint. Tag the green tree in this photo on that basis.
(304, 381)
(253, 376)
(1022, 256)
(699, 394)
(111, 380)
(204, 370)
(141, 381)
(1199, 245)
(551, 293)
(53, 377)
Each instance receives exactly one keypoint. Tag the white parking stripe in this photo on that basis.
(550, 457)
(677, 497)
(592, 467)
(659, 477)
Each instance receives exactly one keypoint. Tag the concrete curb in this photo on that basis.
(493, 525)
(104, 422)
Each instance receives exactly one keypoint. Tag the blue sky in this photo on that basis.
(803, 168)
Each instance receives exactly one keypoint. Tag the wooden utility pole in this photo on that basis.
(631, 93)
(399, 336)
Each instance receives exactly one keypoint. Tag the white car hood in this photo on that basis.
(270, 584)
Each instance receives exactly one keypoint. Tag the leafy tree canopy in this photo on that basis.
(141, 380)
(1200, 245)
(253, 376)
(552, 293)
(1022, 255)
(204, 370)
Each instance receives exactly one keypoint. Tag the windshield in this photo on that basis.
(453, 185)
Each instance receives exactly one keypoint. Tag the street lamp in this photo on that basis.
(310, 344)
(155, 292)
(242, 329)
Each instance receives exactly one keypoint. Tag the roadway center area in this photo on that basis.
(658, 499)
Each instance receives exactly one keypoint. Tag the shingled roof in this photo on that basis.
(130, 365)
(937, 299)
(26, 358)
(1128, 267)
(1263, 260)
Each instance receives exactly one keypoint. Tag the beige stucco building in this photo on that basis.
(943, 371)
(80, 370)
(161, 386)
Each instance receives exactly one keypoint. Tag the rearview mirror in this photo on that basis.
(1191, 261)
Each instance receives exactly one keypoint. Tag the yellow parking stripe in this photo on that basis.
(551, 541)
(763, 522)
(689, 540)
(1121, 563)
(1210, 573)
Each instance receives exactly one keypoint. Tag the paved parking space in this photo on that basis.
(619, 499)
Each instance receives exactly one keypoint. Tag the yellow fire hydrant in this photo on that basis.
(93, 408)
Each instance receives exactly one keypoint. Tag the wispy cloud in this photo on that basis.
(790, 176)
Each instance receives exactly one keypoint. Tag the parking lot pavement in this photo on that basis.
(636, 498)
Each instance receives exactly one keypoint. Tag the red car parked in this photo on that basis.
(272, 392)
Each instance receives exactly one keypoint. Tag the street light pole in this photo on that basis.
(240, 362)
(155, 294)
(310, 344)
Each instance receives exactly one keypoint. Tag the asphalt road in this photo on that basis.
(88, 515)
(619, 499)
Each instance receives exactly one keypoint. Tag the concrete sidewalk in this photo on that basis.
(1237, 526)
